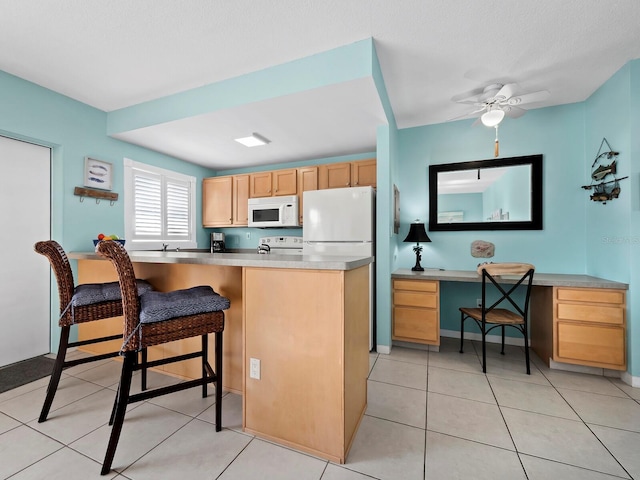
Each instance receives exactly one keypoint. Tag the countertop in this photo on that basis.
(306, 262)
(539, 279)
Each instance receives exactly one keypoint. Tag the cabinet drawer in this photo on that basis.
(415, 299)
(597, 313)
(591, 295)
(416, 324)
(591, 344)
(416, 285)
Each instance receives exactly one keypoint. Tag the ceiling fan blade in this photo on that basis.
(529, 98)
(472, 96)
(506, 92)
(466, 115)
(513, 112)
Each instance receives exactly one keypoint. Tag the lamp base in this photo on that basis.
(418, 267)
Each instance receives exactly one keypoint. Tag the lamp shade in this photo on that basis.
(492, 118)
(417, 233)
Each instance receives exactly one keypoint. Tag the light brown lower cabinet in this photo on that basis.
(589, 327)
(309, 330)
(416, 311)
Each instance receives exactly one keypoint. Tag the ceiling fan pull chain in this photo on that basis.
(496, 149)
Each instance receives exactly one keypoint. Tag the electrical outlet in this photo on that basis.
(479, 302)
(254, 368)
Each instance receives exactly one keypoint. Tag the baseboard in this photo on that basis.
(629, 379)
(386, 349)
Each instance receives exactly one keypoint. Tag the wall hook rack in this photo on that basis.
(97, 194)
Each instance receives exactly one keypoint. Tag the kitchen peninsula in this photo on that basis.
(292, 314)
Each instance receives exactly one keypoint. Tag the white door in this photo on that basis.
(25, 213)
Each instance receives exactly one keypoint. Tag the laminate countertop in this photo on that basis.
(305, 262)
(539, 279)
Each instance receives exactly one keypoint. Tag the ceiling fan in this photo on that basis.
(496, 101)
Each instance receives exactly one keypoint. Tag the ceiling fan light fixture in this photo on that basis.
(492, 118)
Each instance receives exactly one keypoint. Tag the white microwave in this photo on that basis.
(273, 211)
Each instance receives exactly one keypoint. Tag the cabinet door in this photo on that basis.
(363, 173)
(260, 184)
(240, 200)
(285, 182)
(307, 180)
(216, 201)
(334, 175)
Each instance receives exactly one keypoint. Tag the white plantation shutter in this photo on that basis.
(159, 207)
(177, 209)
(148, 204)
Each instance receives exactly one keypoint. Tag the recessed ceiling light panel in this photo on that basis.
(255, 140)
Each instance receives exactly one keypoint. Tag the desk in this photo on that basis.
(577, 319)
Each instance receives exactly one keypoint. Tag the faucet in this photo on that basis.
(164, 247)
(264, 248)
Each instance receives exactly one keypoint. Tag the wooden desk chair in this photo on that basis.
(155, 318)
(492, 316)
(80, 304)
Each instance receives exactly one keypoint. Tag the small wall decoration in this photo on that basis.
(97, 174)
(482, 249)
(604, 183)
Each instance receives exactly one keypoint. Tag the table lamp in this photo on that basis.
(417, 234)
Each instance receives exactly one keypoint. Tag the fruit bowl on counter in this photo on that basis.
(120, 241)
(114, 238)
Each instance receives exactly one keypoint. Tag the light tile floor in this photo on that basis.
(431, 415)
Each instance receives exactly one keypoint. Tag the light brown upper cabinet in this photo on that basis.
(307, 180)
(284, 182)
(216, 201)
(225, 201)
(334, 175)
(241, 200)
(360, 173)
(363, 173)
(260, 184)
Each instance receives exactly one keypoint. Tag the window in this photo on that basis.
(159, 207)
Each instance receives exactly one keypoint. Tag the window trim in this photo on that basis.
(130, 166)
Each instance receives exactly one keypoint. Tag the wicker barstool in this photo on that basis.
(155, 318)
(81, 304)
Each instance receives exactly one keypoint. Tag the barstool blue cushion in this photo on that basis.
(90, 293)
(159, 306)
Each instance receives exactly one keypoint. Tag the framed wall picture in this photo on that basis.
(396, 210)
(97, 174)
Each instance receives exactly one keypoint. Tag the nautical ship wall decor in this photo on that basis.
(604, 183)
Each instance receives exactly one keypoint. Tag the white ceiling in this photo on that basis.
(116, 53)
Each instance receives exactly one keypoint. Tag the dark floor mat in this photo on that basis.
(24, 372)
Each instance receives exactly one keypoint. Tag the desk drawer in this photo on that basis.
(591, 344)
(415, 299)
(416, 285)
(590, 295)
(610, 314)
(416, 324)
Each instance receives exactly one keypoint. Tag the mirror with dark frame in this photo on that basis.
(499, 194)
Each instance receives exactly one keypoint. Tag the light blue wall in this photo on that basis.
(558, 134)
(74, 130)
(613, 230)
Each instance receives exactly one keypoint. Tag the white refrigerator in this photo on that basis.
(341, 221)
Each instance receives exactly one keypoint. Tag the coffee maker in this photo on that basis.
(217, 242)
